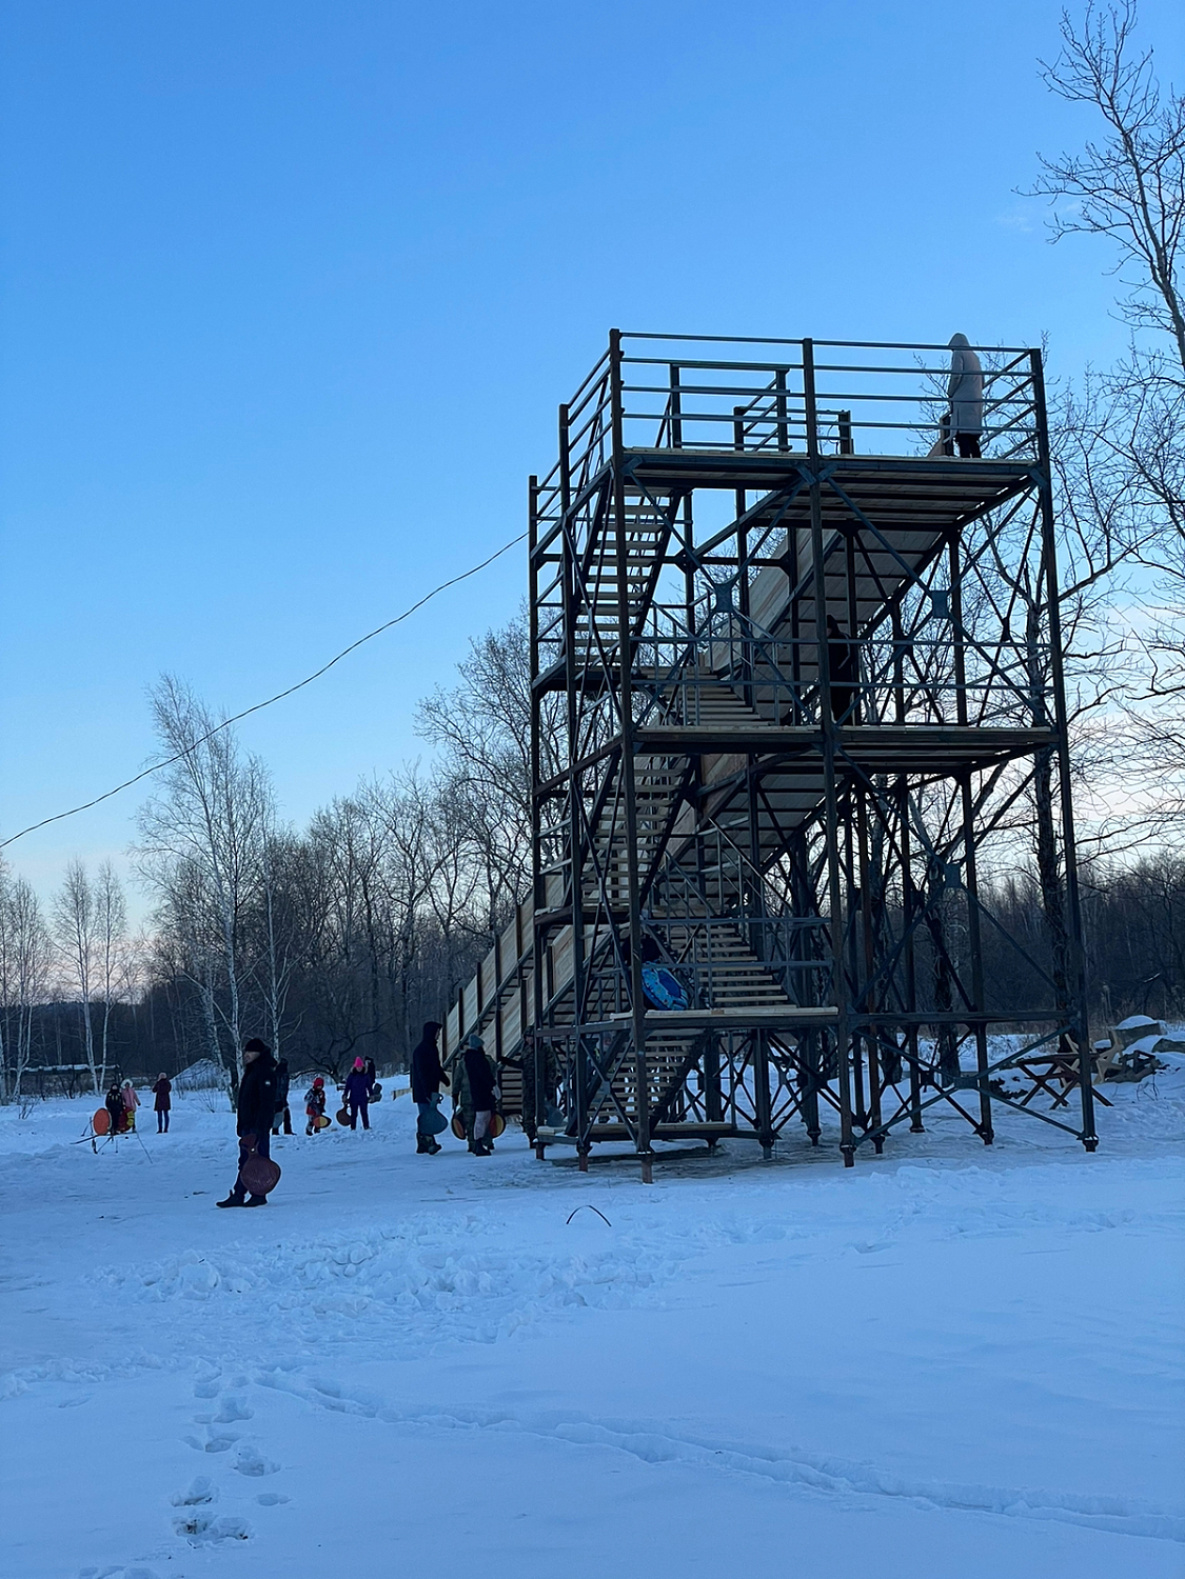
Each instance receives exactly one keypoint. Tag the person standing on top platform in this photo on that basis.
(963, 423)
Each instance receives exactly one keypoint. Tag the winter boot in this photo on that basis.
(422, 1143)
(255, 1200)
(231, 1200)
(433, 1146)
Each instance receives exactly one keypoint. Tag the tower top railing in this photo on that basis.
(714, 393)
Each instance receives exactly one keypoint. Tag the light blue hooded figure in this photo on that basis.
(965, 388)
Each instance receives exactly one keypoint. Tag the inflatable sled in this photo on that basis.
(664, 990)
(497, 1126)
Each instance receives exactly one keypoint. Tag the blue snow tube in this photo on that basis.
(664, 990)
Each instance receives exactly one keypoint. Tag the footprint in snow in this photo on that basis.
(201, 1489)
(233, 1409)
(251, 1462)
(199, 1528)
(213, 1444)
(271, 1499)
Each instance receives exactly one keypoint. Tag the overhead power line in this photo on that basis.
(258, 707)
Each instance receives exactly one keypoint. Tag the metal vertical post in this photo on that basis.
(1089, 1136)
(762, 1108)
(871, 1044)
(538, 901)
(780, 403)
(571, 594)
(626, 732)
(986, 1131)
(836, 905)
(971, 884)
(740, 502)
(676, 405)
(909, 903)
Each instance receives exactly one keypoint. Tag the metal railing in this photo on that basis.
(731, 672)
(704, 392)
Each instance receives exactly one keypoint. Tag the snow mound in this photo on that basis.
(468, 1291)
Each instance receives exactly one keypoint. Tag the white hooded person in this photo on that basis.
(964, 421)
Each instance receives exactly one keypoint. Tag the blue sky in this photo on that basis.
(290, 292)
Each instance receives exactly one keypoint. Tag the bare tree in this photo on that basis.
(202, 838)
(74, 931)
(1129, 185)
(1124, 431)
(112, 959)
(483, 729)
(26, 951)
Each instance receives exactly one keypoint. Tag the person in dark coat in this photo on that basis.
(356, 1094)
(162, 1101)
(372, 1078)
(256, 1108)
(479, 1075)
(843, 672)
(427, 1077)
(282, 1115)
(113, 1102)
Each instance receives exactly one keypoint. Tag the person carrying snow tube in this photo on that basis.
(255, 1110)
(113, 1102)
(356, 1094)
(480, 1077)
(130, 1103)
(314, 1106)
(427, 1077)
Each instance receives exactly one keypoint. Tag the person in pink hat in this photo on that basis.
(356, 1094)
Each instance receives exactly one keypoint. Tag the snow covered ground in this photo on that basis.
(949, 1361)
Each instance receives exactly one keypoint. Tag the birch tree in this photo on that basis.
(26, 953)
(112, 961)
(201, 850)
(73, 915)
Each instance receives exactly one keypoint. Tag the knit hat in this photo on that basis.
(475, 1041)
(318, 1081)
(255, 1045)
(358, 1064)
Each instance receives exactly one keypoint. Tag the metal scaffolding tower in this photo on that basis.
(798, 693)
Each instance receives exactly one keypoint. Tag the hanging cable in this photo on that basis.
(165, 762)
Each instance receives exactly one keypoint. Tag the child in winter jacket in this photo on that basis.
(356, 1094)
(314, 1106)
(130, 1103)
